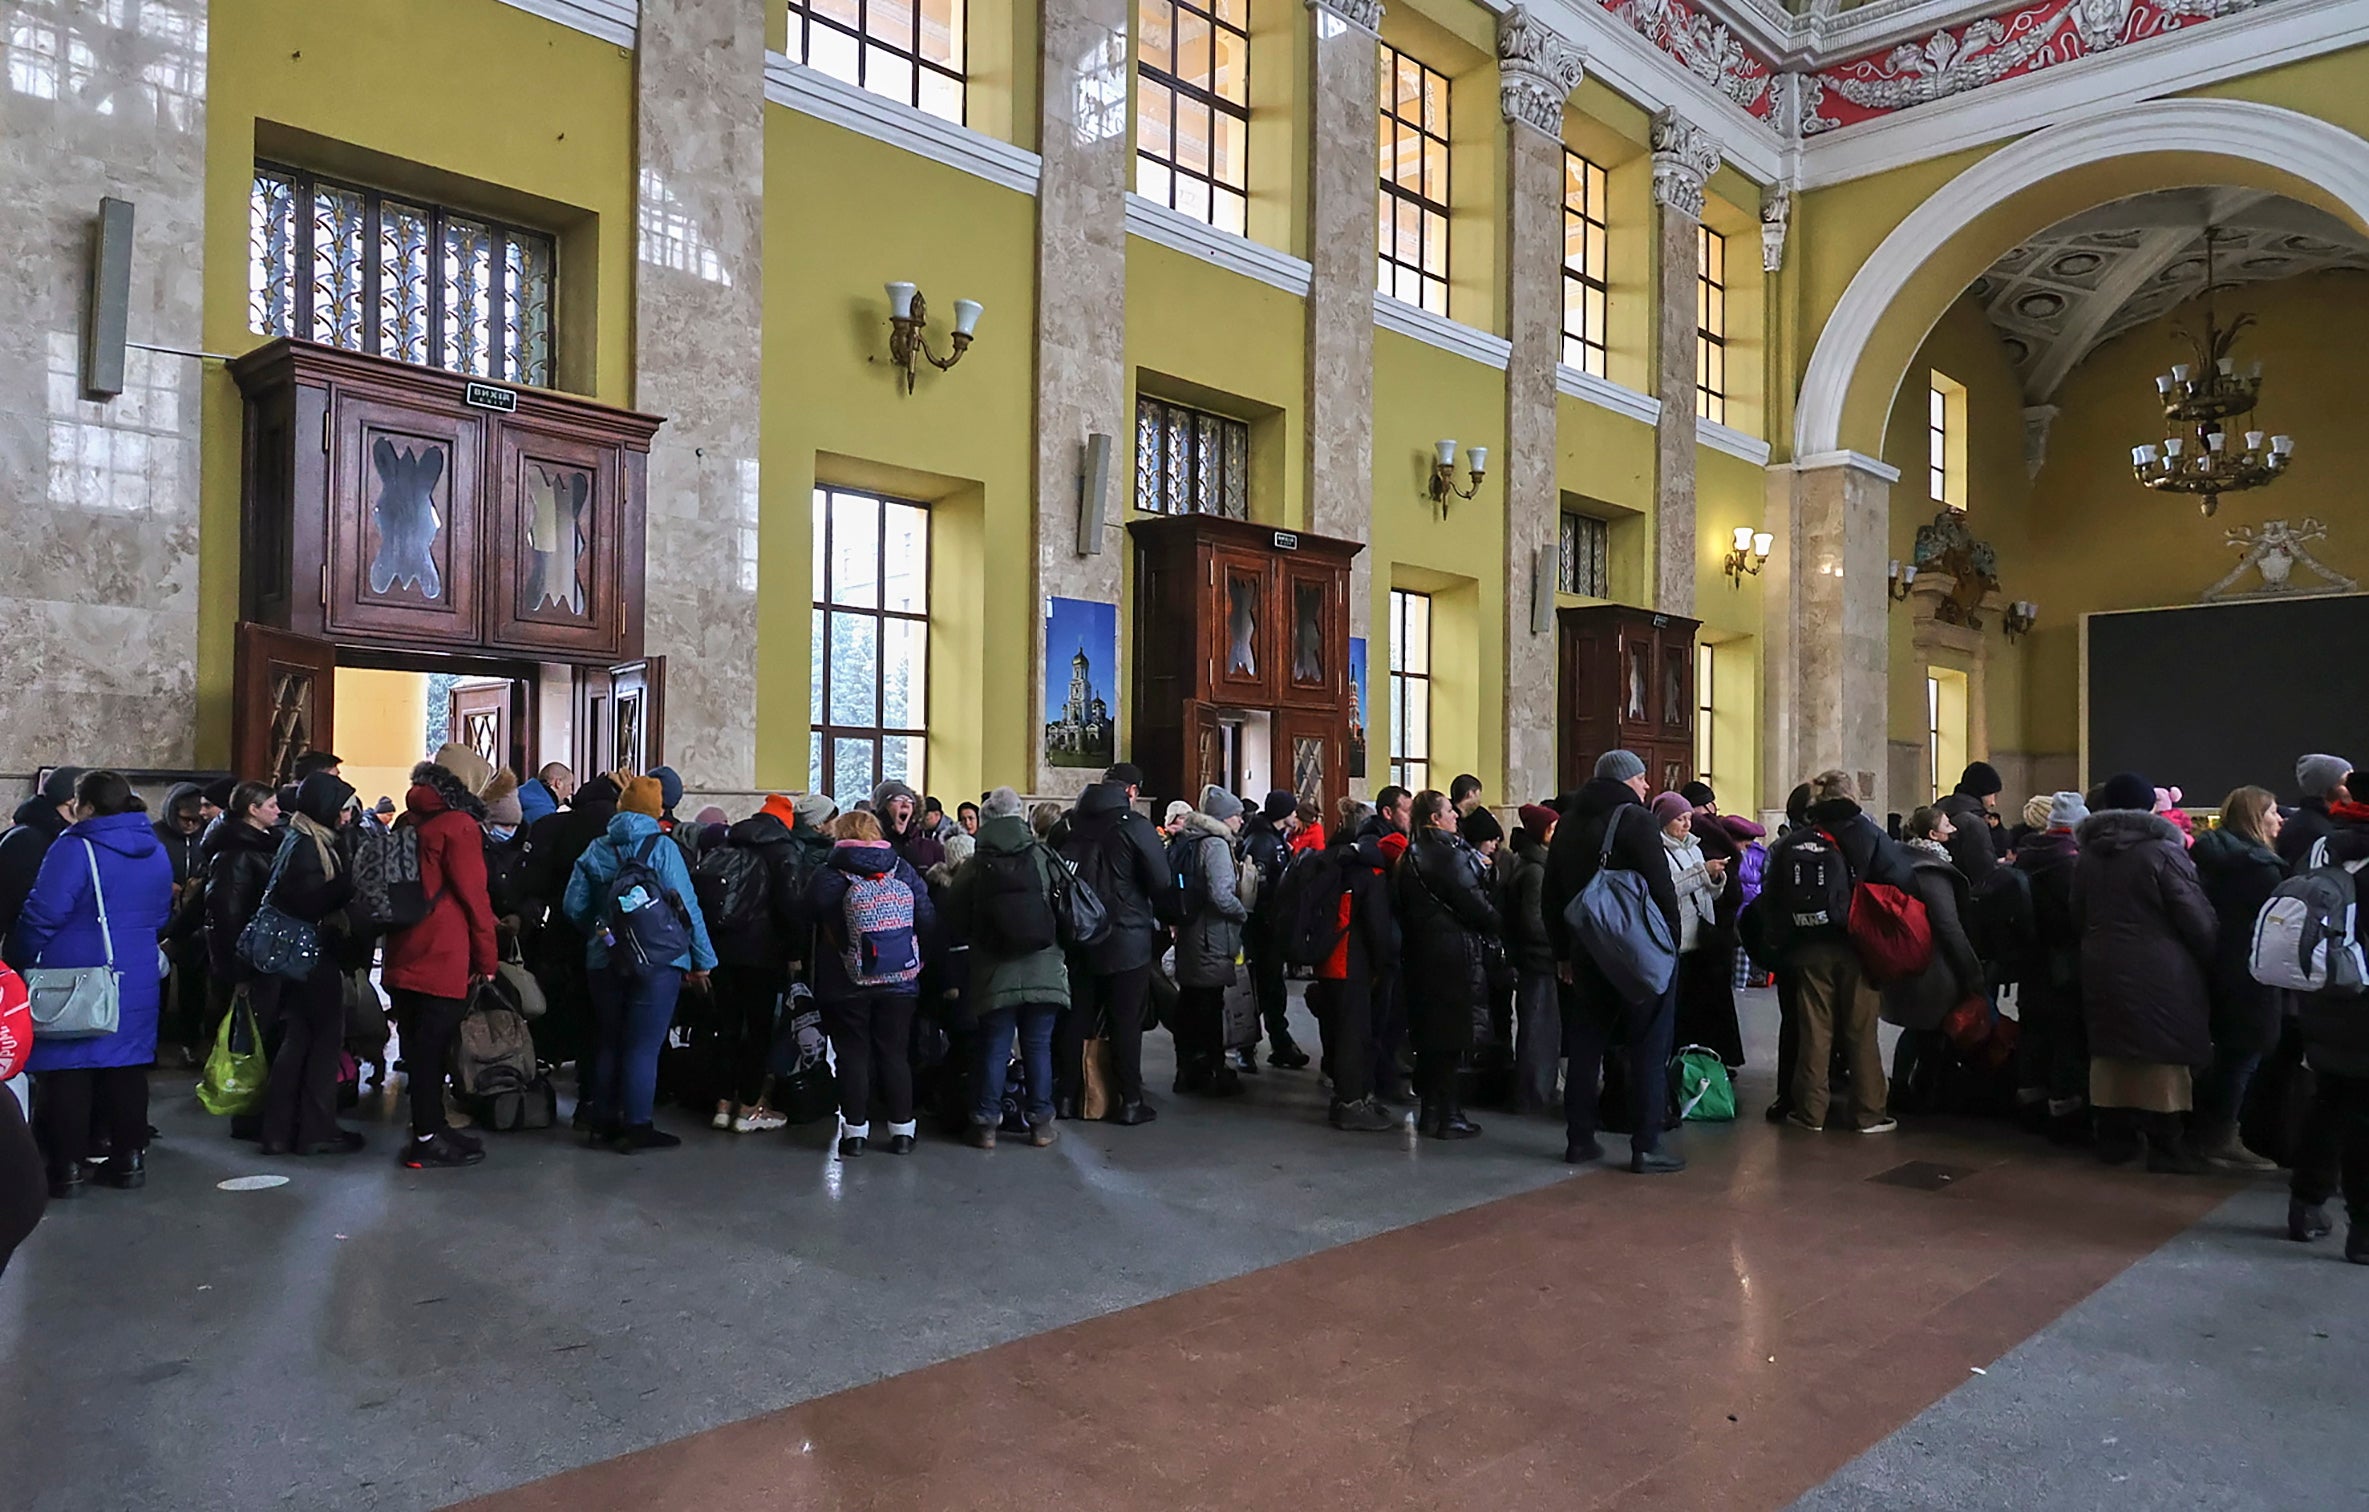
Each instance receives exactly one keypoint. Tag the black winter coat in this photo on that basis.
(235, 873)
(37, 825)
(1265, 849)
(1972, 845)
(1119, 854)
(1522, 902)
(2335, 1030)
(556, 842)
(1955, 972)
(2239, 875)
(2147, 940)
(1446, 920)
(765, 940)
(2308, 823)
(1571, 860)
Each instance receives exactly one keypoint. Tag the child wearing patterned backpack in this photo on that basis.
(872, 911)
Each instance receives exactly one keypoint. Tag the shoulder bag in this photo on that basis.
(79, 1002)
(1620, 927)
(275, 942)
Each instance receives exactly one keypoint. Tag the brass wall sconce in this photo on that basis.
(1443, 473)
(908, 313)
(2020, 617)
(1749, 555)
(1901, 576)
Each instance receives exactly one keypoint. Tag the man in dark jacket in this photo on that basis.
(180, 829)
(1835, 1006)
(753, 921)
(1598, 1012)
(1266, 845)
(1118, 853)
(1538, 1020)
(2333, 1151)
(2054, 1047)
(2324, 782)
(1366, 952)
(1973, 810)
(39, 820)
(554, 843)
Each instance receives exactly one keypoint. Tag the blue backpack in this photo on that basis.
(642, 922)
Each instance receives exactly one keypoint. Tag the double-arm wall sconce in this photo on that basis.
(1443, 472)
(908, 313)
(1902, 576)
(2021, 616)
(1749, 555)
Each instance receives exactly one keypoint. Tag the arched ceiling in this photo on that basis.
(2088, 279)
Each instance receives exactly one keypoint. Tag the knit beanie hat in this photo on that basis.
(780, 808)
(1669, 806)
(2318, 776)
(2127, 790)
(219, 790)
(670, 786)
(1480, 826)
(1699, 794)
(1003, 803)
(1177, 809)
(473, 770)
(643, 795)
(1980, 780)
(1536, 818)
(59, 788)
(2066, 810)
(814, 810)
(1280, 805)
(2036, 810)
(1219, 804)
(1619, 766)
(500, 797)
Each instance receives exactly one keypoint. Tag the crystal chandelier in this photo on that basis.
(2195, 457)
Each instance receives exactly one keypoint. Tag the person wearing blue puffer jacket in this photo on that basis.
(107, 859)
(634, 1008)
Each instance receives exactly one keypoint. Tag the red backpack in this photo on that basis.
(1888, 929)
(16, 1023)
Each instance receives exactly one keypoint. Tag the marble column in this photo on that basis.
(1081, 319)
(99, 497)
(1342, 90)
(1684, 158)
(1825, 623)
(698, 307)
(1537, 70)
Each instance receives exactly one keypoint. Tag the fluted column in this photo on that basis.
(1081, 315)
(1537, 70)
(699, 305)
(1684, 158)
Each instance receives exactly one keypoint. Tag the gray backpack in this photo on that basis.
(2307, 938)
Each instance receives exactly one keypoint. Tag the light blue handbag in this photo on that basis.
(79, 1002)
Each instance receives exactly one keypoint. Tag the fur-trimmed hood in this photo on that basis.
(2115, 830)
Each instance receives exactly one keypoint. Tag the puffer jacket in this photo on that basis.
(1370, 944)
(765, 940)
(455, 941)
(588, 887)
(235, 874)
(1119, 854)
(59, 926)
(2335, 1030)
(825, 911)
(997, 981)
(1955, 972)
(1571, 861)
(35, 826)
(1446, 920)
(1210, 938)
(2147, 940)
(2239, 875)
(1522, 903)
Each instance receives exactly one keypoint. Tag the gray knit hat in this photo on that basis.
(814, 810)
(2319, 776)
(1219, 804)
(1003, 803)
(2067, 810)
(1620, 766)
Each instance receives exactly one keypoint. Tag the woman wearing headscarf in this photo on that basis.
(314, 885)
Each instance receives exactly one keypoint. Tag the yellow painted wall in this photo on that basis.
(382, 728)
(1729, 492)
(832, 405)
(2100, 541)
(529, 118)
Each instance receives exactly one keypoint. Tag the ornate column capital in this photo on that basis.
(1776, 213)
(1684, 158)
(1536, 71)
(1364, 15)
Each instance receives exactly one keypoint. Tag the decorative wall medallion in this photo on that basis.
(1364, 15)
(2275, 550)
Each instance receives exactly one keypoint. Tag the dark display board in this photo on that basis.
(2215, 697)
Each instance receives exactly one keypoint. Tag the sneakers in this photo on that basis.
(1365, 1116)
(439, 1151)
(759, 1120)
(723, 1116)
(1799, 1122)
(2307, 1221)
(1883, 1125)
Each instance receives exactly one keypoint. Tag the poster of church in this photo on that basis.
(1356, 751)
(1081, 689)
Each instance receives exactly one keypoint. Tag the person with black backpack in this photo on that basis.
(631, 896)
(748, 891)
(435, 964)
(1002, 902)
(2332, 1148)
(1117, 852)
(1266, 847)
(1345, 927)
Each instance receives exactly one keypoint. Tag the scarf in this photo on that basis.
(324, 842)
(1930, 847)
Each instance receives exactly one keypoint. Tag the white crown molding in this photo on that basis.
(810, 92)
(1448, 335)
(1179, 232)
(1726, 438)
(610, 20)
(1860, 461)
(1634, 68)
(1622, 401)
(2175, 63)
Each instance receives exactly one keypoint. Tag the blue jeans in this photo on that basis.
(634, 1013)
(1033, 1023)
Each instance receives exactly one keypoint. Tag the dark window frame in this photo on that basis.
(822, 761)
(1409, 769)
(1710, 377)
(1227, 490)
(805, 15)
(1388, 259)
(1181, 92)
(1585, 214)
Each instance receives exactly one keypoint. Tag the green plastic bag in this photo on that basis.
(235, 1068)
(1699, 1077)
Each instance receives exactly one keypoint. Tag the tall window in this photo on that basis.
(1192, 109)
(1945, 432)
(1410, 689)
(1413, 264)
(1703, 763)
(1584, 286)
(912, 51)
(1710, 373)
(1583, 556)
(1188, 461)
(869, 704)
(399, 277)
(1933, 735)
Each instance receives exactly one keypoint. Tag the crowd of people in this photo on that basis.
(996, 970)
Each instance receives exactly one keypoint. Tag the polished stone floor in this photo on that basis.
(1232, 1307)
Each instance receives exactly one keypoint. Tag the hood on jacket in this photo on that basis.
(628, 829)
(451, 788)
(1832, 811)
(2044, 850)
(535, 800)
(176, 795)
(39, 813)
(867, 857)
(1005, 832)
(2217, 848)
(424, 802)
(1742, 830)
(765, 827)
(1528, 847)
(2113, 831)
(128, 835)
(322, 798)
(1098, 799)
(1198, 823)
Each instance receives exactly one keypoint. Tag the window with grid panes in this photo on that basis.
(1413, 257)
(1188, 461)
(1945, 436)
(1584, 280)
(1410, 689)
(1710, 373)
(1583, 556)
(1192, 108)
(912, 51)
(868, 711)
(1702, 714)
(398, 277)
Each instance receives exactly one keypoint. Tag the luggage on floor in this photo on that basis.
(1101, 1098)
(493, 1068)
(1700, 1083)
(1238, 1015)
(804, 1087)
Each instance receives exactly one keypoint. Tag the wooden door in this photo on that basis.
(555, 530)
(403, 518)
(1242, 639)
(1311, 755)
(1312, 613)
(620, 717)
(282, 701)
(1204, 753)
(483, 718)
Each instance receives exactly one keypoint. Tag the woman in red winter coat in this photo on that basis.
(433, 967)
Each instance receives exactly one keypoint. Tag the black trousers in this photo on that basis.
(64, 1103)
(1644, 1028)
(1199, 1029)
(1109, 1003)
(23, 1191)
(2335, 1146)
(429, 1025)
(872, 1039)
(1387, 1031)
(300, 1094)
(1263, 947)
(745, 998)
(1345, 1017)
